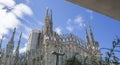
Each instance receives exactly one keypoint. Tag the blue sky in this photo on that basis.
(67, 18)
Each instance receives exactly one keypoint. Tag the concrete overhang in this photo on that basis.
(109, 8)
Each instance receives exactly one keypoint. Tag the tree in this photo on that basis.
(110, 58)
(73, 61)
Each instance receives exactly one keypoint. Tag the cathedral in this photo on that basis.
(46, 47)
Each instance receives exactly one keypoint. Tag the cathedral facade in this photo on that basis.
(46, 47)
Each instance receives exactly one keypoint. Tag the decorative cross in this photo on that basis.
(57, 56)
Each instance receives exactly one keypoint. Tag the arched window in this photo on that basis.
(41, 57)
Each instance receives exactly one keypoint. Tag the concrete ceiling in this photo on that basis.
(109, 8)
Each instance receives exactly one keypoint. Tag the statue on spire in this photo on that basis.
(47, 11)
(12, 38)
(51, 15)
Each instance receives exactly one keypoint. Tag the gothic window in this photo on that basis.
(61, 39)
(7, 56)
(49, 38)
(41, 57)
(11, 47)
(65, 40)
(37, 58)
(47, 29)
(33, 61)
(66, 56)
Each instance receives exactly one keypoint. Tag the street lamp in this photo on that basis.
(57, 56)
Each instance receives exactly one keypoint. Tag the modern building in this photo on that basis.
(33, 39)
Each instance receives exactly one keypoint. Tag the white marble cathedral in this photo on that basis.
(46, 47)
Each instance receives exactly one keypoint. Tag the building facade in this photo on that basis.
(46, 47)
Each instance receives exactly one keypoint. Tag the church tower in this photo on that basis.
(10, 45)
(47, 29)
(91, 35)
(9, 49)
(87, 39)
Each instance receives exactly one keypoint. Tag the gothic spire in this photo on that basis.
(47, 11)
(1, 41)
(16, 55)
(19, 41)
(91, 34)
(51, 15)
(51, 18)
(87, 36)
(10, 45)
(12, 38)
(17, 49)
(48, 23)
(47, 17)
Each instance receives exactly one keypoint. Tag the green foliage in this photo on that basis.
(73, 61)
(110, 55)
(85, 60)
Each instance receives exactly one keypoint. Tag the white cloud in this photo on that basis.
(69, 28)
(74, 23)
(58, 30)
(25, 36)
(21, 9)
(79, 20)
(7, 21)
(9, 18)
(22, 50)
(69, 21)
(8, 3)
(26, 33)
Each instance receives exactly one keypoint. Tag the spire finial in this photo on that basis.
(17, 49)
(12, 38)
(89, 26)
(85, 29)
(47, 11)
(19, 42)
(19, 38)
(51, 14)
